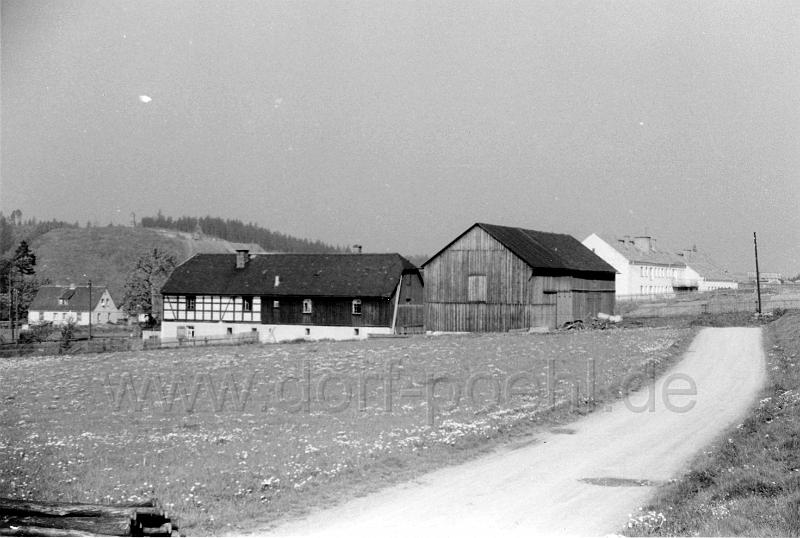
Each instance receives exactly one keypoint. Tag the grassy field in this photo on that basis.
(226, 436)
(748, 483)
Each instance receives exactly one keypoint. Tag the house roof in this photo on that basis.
(76, 299)
(551, 252)
(705, 266)
(320, 275)
(653, 256)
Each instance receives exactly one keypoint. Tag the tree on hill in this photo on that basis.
(24, 259)
(140, 294)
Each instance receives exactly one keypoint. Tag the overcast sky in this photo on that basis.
(397, 125)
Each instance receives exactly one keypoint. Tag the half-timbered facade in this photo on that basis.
(498, 278)
(292, 296)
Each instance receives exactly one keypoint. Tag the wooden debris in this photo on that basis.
(43, 518)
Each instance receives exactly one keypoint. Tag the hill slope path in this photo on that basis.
(585, 483)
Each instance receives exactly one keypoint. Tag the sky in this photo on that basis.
(396, 125)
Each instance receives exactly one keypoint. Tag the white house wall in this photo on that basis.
(711, 285)
(199, 330)
(650, 279)
(614, 259)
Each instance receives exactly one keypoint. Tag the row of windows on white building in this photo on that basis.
(651, 272)
(64, 316)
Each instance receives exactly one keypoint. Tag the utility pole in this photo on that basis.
(758, 277)
(90, 309)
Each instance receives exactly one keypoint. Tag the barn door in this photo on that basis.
(563, 307)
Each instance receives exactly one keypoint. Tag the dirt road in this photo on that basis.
(582, 481)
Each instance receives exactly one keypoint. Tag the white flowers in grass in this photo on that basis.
(646, 522)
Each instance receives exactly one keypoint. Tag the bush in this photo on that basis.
(67, 334)
(37, 333)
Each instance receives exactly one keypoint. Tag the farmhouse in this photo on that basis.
(292, 296)
(61, 304)
(497, 278)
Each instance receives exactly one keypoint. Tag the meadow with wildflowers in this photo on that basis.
(226, 436)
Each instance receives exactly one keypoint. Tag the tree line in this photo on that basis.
(239, 232)
(14, 229)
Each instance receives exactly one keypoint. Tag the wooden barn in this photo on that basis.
(498, 278)
(292, 296)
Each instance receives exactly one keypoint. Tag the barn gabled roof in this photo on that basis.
(309, 275)
(549, 252)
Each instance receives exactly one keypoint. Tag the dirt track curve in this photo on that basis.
(581, 483)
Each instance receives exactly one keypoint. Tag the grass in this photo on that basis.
(748, 483)
(231, 459)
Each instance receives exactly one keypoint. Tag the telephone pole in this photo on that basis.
(758, 277)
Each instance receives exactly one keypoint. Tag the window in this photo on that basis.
(229, 331)
(308, 331)
(190, 331)
(41, 316)
(191, 302)
(64, 316)
(476, 289)
(307, 306)
(79, 316)
(355, 331)
(247, 304)
(356, 307)
(276, 304)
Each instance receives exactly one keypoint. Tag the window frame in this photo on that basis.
(355, 307)
(191, 303)
(308, 306)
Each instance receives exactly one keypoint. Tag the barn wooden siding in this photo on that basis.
(411, 311)
(514, 296)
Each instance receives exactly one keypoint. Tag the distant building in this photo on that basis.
(498, 278)
(60, 304)
(769, 278)
(292, 296)
(708, 275)
(642, 268)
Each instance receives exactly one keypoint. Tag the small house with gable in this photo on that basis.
(61, 304)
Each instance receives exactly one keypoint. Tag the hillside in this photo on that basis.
(107, 254)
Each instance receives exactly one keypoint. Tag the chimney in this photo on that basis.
(643, 243)
(242, 257)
